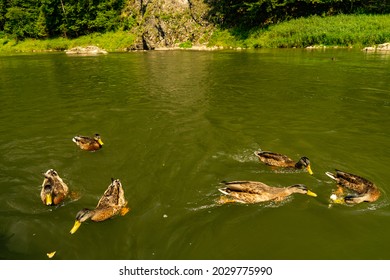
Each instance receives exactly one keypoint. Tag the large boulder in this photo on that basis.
(89, 50)
(381, 47)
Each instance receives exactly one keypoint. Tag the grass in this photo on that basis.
(340, 30)
(111, 41)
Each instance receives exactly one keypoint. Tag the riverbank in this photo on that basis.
(356, 31)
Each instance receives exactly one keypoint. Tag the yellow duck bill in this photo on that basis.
(49, 200)
(309, 170)
(311, 193)
(75, 227)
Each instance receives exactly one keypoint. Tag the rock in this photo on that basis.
(369, 49)
(89, 50)
(381, 47)
(164, 24)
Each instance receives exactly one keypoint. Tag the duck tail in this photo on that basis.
(76, 139)
(331, 175)
(223, 190)
(258, 152)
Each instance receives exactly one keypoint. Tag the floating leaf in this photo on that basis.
(50, 255)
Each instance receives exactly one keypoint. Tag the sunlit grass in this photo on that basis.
(111, 41)
(341, 30)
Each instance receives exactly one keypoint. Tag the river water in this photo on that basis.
(177, 123)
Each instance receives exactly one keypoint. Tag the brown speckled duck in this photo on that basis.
(54, 190)
(280, 160)
(255, 192)
(112, 203)
(365, 190)
(89, 143)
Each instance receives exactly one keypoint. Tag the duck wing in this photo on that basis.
(251, 187)
(60, 186)
(353, 182)
(113, 196)
(83, 139)
(271, 158)
(109, 198)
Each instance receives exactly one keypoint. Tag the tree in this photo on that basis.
(51, 18)
(20, 22)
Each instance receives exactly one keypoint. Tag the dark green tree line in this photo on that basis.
(52, 18)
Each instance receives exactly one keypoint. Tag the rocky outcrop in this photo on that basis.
(89, 50)
(168, 23)
(381, 48)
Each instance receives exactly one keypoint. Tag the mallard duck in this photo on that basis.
(275, 159)
(54, 190)
(112, 203)
(88, 143)
(365, 190)
(255, 192)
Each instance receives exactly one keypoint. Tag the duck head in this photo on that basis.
(81, 217)
(300, 188)
(304, 163)
(98, 139)
(48, 196)
(47, 186)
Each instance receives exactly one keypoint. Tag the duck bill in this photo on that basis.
(311, 193)
(49, 200)
(309, 170)
(75, 227)
(100, 142)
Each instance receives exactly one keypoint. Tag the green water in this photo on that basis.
(175, 124)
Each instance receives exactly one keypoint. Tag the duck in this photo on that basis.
(54, 190)
(364, 190)
(280, 160)
(112, 203)
(88, 143)
(255, 192)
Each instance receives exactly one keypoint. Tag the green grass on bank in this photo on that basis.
(342, 30)
(111, 41)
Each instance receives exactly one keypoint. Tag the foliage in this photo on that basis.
(185, 45)
(340, 30)
(110, 41)
(20, 19)
(252, 13)
(52, 18)
(73, 18)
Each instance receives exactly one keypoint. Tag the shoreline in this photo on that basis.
(380, 48)
(370, 33)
